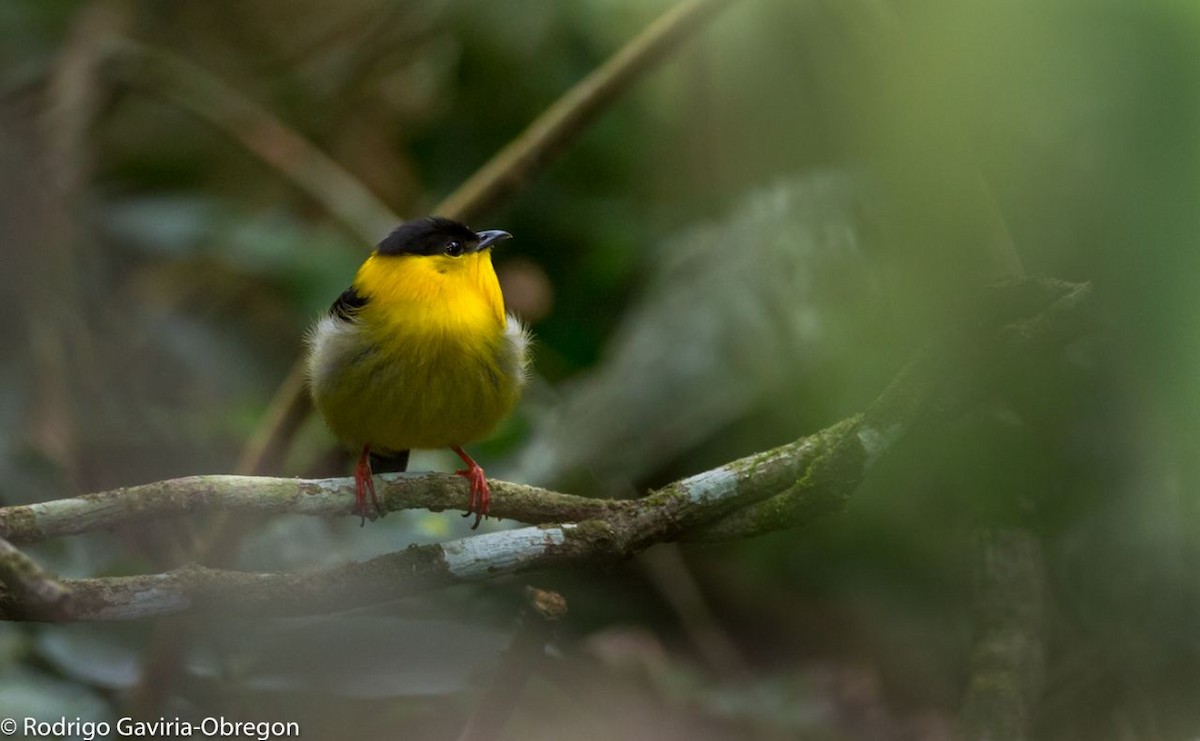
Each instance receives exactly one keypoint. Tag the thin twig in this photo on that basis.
(289, 408)
(262, 452)
(518, 664)
(195, 89)
(59, 154)
(544, 139)
(667, 570)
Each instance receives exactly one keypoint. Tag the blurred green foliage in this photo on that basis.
(744, 249)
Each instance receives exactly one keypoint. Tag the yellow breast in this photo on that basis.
(430, 363)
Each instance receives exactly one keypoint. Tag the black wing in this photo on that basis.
(348, 305)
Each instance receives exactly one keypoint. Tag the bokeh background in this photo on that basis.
(743, 249)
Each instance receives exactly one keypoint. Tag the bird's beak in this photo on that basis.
(489, 238)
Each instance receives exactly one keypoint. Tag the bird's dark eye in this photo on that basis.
(454, 248)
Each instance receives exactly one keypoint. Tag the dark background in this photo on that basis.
(743, 250)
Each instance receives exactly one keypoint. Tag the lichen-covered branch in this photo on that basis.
(623, 528)
(30, 523)
(783, 487)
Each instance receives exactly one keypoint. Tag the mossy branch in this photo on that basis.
(38, 595)
(783, 487)
(32, 523)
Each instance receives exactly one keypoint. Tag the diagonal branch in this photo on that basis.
(550, 132)
(784, 487)
(195, 89)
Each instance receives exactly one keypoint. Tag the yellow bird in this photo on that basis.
(419, 353)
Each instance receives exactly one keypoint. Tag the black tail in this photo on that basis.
(389, 462)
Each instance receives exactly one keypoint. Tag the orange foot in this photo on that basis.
(364, 483)
(481, 495)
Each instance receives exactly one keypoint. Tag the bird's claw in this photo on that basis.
(481, 495)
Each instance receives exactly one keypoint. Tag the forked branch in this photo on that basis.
(784, 487)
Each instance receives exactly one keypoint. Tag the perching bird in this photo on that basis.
(419, 353)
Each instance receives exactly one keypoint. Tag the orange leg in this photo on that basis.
(481, 495)
(364, 483)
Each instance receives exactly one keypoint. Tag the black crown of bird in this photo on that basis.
(419, 353)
